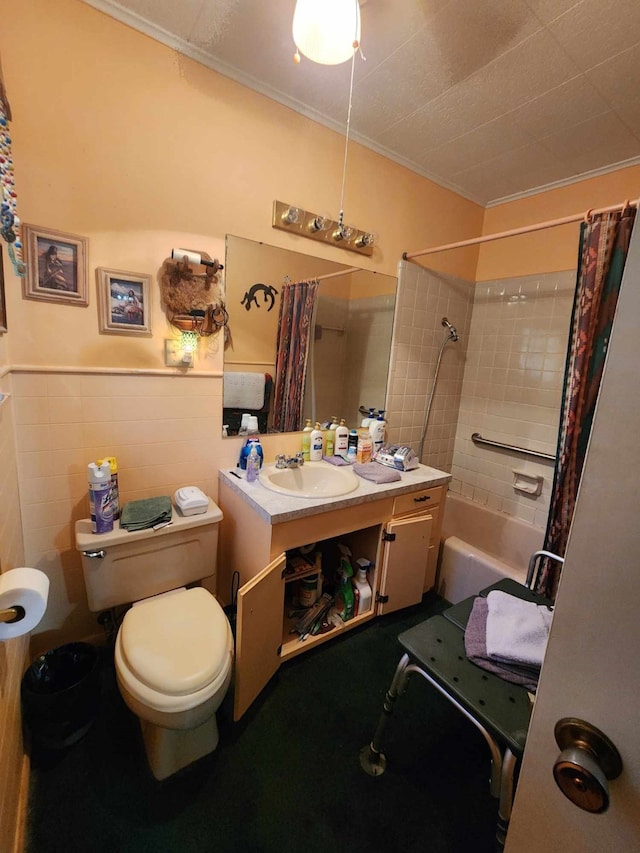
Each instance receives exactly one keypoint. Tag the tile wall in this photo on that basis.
(159, 428)
(424, 298)
(13, 653)
(512, 389)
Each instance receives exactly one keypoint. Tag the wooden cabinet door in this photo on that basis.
(405, 555)
(258, 633)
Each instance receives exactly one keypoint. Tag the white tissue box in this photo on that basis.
(191, 500)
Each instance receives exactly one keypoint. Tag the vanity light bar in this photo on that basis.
(286, 217)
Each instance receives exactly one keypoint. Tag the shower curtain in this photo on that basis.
(604, 244)
(292, 350)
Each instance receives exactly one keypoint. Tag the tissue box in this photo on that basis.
(191, 500)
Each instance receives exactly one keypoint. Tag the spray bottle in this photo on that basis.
(361, 584)
(99, 497)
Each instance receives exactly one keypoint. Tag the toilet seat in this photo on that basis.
(174, 651)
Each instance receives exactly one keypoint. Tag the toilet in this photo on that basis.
(174, 649)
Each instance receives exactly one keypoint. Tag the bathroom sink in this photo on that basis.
(313, 480)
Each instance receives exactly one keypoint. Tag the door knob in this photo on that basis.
(587, 761)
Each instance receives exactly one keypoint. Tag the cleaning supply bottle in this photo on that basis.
(99, 497)
(361, 584)
(315, 451)
(345, 598)
(114, 495)
(253, 463)
(306, 440)
(342, 439)
(377, 431)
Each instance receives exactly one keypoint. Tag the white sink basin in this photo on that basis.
(313, 480)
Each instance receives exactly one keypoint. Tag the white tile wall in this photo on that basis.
(160, 429)
(424, 298)
(512, 389)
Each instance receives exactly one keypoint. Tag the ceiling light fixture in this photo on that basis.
(326, 31)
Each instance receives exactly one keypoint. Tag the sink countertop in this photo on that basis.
(276, 508)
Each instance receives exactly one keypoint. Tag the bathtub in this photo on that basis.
(480, 546)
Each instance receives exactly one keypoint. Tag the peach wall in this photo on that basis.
(102, 149)
(554, 249)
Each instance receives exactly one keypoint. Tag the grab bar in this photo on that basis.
(476, 438)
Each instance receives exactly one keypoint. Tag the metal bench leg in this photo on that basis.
(506, 797)
(496, 755)
(372, 759)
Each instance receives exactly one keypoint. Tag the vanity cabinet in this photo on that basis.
(399, 535)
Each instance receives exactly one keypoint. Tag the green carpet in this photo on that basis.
(287, 776)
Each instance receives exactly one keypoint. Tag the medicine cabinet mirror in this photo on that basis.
(349, 357)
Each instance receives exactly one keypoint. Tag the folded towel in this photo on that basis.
(476, 649)
(376, 472)
(517, 630)
(139, 515)
(336, 460)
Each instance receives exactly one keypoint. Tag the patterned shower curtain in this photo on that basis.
(292, 349)
(604, 244)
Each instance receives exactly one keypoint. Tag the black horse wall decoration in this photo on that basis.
(269, 296)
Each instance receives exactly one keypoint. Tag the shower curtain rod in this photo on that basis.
(514, 232)
(328, 275)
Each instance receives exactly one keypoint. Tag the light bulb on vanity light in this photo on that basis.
(292, 216)
(343, 232)
(364, 240)
(318, 223)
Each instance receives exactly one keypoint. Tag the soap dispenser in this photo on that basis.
(306, 440)
(377, 433)
(315, 450)
(342, 439)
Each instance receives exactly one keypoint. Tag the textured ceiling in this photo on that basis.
(492, 98)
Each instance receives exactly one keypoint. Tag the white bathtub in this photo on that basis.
(480, 546)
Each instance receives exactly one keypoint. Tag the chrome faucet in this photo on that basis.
(283, 461)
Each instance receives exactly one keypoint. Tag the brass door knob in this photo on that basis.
(587, 761)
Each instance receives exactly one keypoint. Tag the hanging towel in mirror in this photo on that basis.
(243, 390)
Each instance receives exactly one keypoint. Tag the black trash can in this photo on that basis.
(61, 695)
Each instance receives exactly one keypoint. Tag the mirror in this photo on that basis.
(349, 356)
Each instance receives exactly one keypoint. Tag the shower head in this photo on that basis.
(453, 332)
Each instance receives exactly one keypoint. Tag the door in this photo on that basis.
(258, 633)
(591, 669)
(404, 562)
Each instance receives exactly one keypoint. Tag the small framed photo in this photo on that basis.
(56, 266)
(3, 306)
(124, 302)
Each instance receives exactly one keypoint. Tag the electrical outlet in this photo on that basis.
(175, 355)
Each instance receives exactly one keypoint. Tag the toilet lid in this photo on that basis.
(178, 643)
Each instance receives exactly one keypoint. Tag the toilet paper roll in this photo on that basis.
(25, 588)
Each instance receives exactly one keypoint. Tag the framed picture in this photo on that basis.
(56, 266)
(3, 306)
(124, 302)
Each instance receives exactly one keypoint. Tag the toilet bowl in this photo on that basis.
(173, 660)
(174, 650)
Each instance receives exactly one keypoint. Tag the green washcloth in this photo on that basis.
(139, 515)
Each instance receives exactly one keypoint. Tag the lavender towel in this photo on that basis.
(475, 644)
(517, 630)
(376, 472)
(336, 460)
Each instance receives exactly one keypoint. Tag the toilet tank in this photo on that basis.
(121, 567)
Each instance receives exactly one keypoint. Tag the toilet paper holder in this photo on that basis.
(12, 614)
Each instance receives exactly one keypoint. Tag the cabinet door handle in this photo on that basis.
(422, 499)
